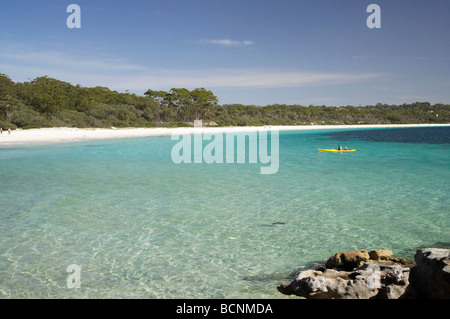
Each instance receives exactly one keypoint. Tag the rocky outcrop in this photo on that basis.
(430, 278)
(370, 280)
(349, 260)
(375, 275)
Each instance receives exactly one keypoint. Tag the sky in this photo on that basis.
(259, 52)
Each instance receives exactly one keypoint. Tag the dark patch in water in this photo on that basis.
(422, 135)
(286, 276)
(268, 277)
(273, 224)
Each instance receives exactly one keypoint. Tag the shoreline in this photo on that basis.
(66, 134)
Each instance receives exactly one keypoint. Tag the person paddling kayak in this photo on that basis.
(339, 147)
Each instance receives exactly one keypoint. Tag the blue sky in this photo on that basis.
(317, 52)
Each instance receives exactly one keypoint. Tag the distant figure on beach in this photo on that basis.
(9, 131)
(1, 130)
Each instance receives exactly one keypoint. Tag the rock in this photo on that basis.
(385, 254)
(401, 261)
(365, 282)
(380, 254)
(380, 277)
(348, 259)
(430, 278)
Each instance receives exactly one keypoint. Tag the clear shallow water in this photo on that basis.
(141, 226)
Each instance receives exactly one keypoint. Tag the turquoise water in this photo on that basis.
(141, 226)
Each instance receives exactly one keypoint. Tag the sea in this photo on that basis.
(119, 218)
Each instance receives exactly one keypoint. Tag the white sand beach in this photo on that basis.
(64, 134)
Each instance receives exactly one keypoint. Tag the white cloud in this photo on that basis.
(228, 42)
(370, 57)
(313, 101)
(413, 98)
(119, 74)
(231, 78)
(400, 57)
(208, 78)
(58, 59)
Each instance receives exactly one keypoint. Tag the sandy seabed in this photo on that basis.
(65, 134)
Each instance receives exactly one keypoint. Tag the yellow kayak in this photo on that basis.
(333, 150)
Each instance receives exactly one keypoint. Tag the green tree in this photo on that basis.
(178, 100)
(6, 86)
(187, 105)
(156, 95)
(204, 104)
(46, 95)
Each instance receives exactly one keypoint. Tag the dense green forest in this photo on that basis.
(47, 102)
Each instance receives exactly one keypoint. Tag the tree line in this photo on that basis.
(48, 102)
